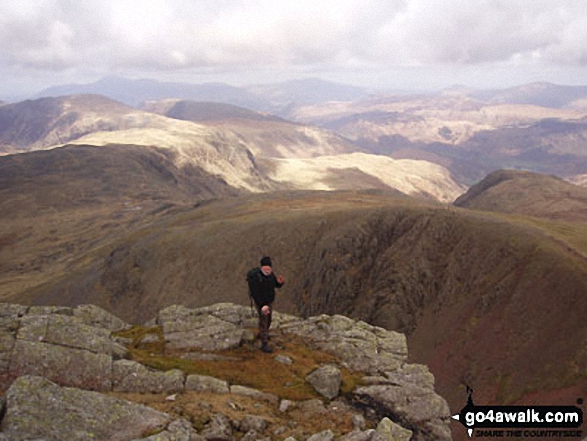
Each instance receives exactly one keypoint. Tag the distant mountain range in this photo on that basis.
(536, 94)
(276, 98)
(468, 136)
(540, 127)
(279, 97)
(239, 146)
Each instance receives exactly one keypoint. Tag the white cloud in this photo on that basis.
(273, 34)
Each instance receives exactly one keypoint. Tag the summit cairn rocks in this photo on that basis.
(64, 357)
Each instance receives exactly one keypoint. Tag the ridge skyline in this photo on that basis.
(345, 85)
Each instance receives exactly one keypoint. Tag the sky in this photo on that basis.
(379, 44)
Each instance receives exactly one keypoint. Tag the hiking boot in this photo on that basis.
(266, 348)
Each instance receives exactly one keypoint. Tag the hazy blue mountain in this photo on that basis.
(538, 94)
(309, 91)
(134, 92)
(276, 98)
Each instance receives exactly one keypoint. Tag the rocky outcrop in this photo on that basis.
(65, 413)
(360, 346)
(219, 429)
(60, 344)
(402, 391)
(408, 394)
(97, 317)
(60, 356)
(254, 393)
(209, 329)
(325, 435)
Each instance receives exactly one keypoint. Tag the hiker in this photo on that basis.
(262, 284)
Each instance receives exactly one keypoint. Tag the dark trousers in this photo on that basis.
(264, 323)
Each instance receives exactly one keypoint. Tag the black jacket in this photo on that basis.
(262, 287)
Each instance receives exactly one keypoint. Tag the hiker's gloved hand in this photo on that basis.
(265, 310)
(280, 279)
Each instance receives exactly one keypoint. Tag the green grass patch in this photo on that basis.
(246, 365)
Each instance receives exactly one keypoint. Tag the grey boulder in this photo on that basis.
(326, 380)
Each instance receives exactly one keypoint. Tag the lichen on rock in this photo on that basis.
(54, 358)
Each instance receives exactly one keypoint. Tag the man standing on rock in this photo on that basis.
(262, 284)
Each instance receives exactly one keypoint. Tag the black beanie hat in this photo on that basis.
(266, 261)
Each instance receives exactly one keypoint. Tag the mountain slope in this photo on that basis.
(96, 120)
(580, 180)
(56, 205)
(264, 135)
(308, 158)
(478, 294)
(230, 144)
(197, 111)
(307, 91)
(532, 194)
(451, 119)
(470, 137)
(75, 176)
(31, 125)
(416, 178)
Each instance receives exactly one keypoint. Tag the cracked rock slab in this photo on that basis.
(70, 332)
(66, 366)
(39, 409)
(99, 318)
(418, 408)
(130, 376)
(185, 328)
(360, 346)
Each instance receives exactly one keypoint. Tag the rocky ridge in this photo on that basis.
(78, 362)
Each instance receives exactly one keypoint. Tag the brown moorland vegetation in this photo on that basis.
(480, 295)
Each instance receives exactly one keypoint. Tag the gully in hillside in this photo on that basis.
(262, 283)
